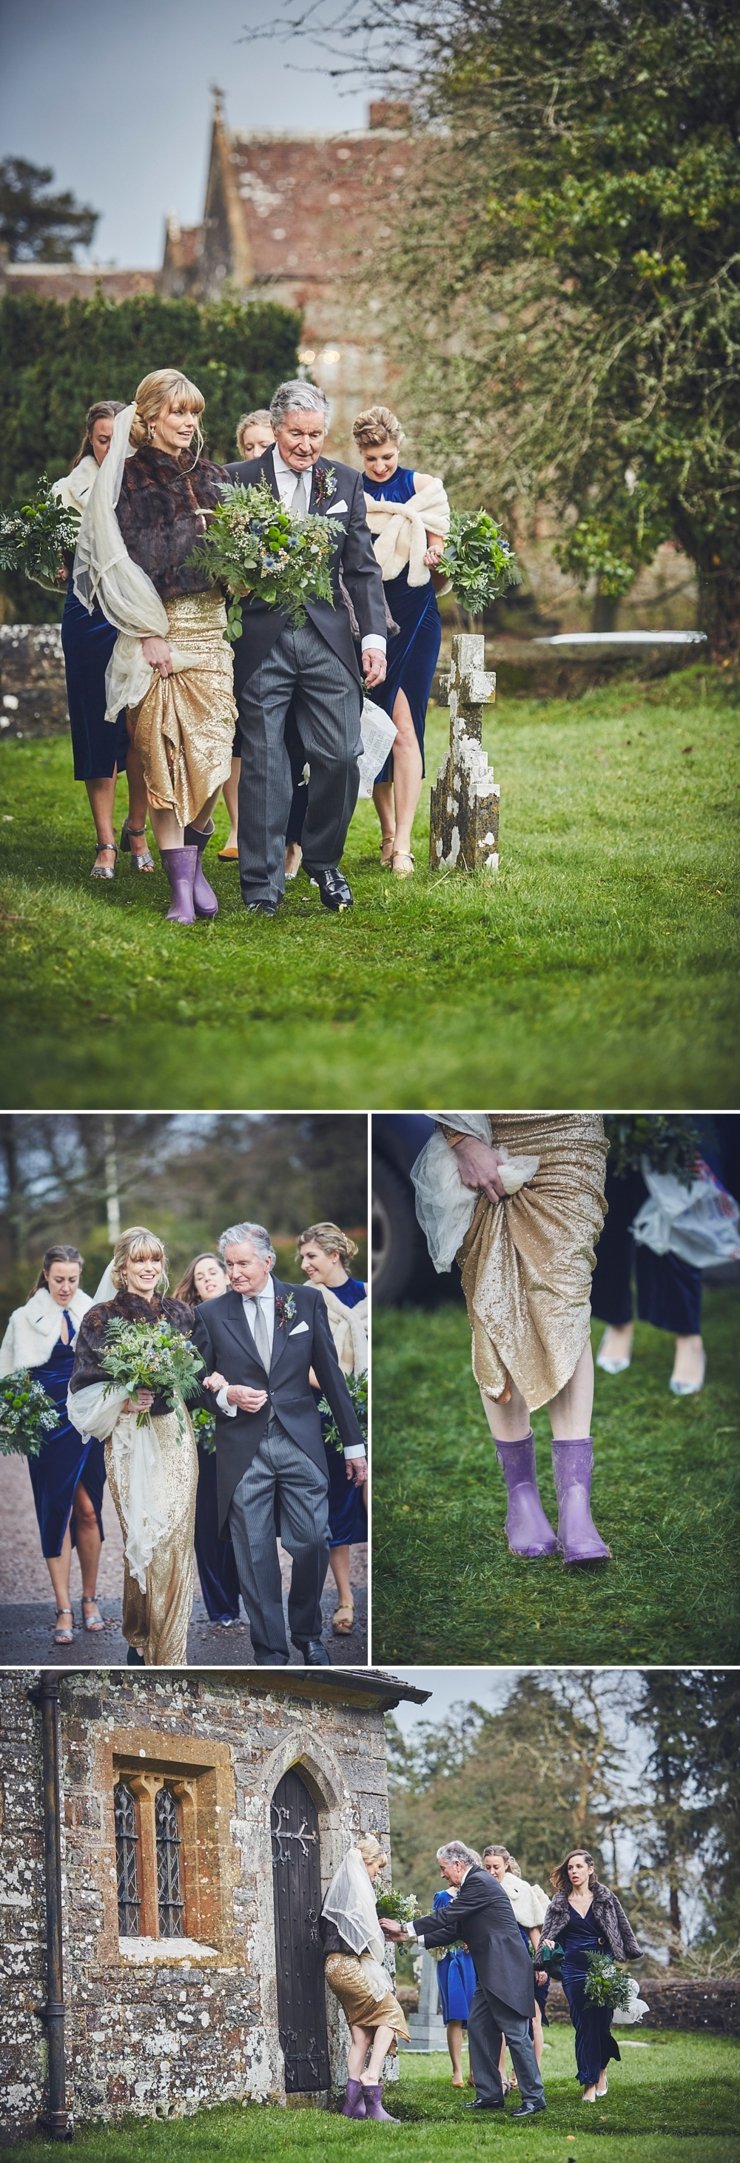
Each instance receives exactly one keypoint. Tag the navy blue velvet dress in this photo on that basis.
(414, 652)
(99, 747)
(595, 2044)
(219, 1582)
(456, 1977)
(347, 1512)
(64, 1458)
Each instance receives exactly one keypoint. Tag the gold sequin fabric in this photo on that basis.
(527, 1262)
(345, 1977)
(184, 728)
(156, 1621)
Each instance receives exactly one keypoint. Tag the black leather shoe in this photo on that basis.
(477, 2105)
(261, 908)
(314, 1653)
(332, 885)
(527, 2110)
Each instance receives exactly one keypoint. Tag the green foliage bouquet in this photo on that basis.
(477, 560)
(606, 1984)
(357, 1386)
(670, 1144)
(204, 1428)
(27, 1415)
(35, 538)
(257, 548)
(398, 1907)
(151, 1355)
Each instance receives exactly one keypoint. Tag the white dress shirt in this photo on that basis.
(267, 1302)
(286, 481)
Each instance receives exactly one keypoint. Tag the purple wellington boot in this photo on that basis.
(180, 866)
(204, 899)
(354, 2100)
(527, 1528)
(373, 2104)
(573, 1464)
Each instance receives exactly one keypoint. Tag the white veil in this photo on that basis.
(105, 572)
(350, 1906)
(445, 1208)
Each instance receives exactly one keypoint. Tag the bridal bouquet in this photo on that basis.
(260, 550)
(606, 1984)
(35, 538)
(398, 1907)
(357, 1386)
(27, 1415)
(477, 560)
(151, 1355)
(670, 1145)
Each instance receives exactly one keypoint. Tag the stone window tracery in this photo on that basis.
(127, 1860)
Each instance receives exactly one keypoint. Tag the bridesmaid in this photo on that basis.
(100, 748)
(68, 1475)
(206, 1279)
(457, 1983)
(410, 596)
(323, 1252)
(586, 1917)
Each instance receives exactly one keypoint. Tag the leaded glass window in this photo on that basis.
(169, 1874)
(127, 1861)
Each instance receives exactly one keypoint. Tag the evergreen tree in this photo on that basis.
(36, 226)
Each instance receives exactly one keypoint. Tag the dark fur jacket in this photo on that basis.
(158, 513)
(608, 1915)
(127, 1307)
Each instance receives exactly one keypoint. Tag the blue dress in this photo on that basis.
(347, 1512)
(64, 1459)
(219, 1581)
(456, 1977)
(413, 654)
(595, 2044)
(99, 747)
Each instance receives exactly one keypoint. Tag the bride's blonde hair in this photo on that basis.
(166, 387)
(371, 1849)
(138, 1245)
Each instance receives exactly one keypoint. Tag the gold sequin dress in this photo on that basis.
(527, 1262)
(184, 728)
(156, 1621)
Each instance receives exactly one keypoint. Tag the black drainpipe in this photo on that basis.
(55, 2120)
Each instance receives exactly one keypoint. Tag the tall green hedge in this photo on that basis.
(57, 357)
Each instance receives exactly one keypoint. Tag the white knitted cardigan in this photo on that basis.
(400, 531)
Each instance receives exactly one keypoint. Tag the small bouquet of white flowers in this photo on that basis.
(35, 538)
(27, 1415)
(152, 1356)
(261, 551)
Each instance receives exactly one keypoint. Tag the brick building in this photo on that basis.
(165, 1843)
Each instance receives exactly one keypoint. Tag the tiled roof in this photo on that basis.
(72, 281)
(312, 203)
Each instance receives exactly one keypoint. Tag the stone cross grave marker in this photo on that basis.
(463, 832)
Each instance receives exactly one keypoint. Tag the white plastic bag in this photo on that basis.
(700, 1223)
(379, 733)
(629, 2015)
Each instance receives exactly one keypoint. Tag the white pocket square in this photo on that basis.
(332, 508)
(297, 1331)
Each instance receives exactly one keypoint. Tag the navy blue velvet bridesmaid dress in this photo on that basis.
(595, 2044)
(99, 747)
(64, 1458)
(219, 1582)
(413, 654)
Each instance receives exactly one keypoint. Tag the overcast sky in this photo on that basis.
(485, 1686)
(114, 95)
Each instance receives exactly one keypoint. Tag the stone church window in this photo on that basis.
(170, 1904)
(127, 1861)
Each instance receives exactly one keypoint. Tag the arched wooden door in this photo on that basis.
(296, 1872)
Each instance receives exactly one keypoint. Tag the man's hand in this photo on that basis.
(374, 666)
(214, 1381)
(390, 1928)
(356, 1469)
(478, 1167)
(246, 1400)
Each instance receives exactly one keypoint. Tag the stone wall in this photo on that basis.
(155, 2028)
(696, 2003)
(33, 692)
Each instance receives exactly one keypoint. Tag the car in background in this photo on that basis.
(401, 1264)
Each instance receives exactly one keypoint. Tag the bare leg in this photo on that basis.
(381, 2043)
(169, 834)
(230, 794)
(89, 1543)
(538, 2035)
(101, 794)
(339, 1566)
(616, 1343)
(358, 2050)
(407, 774)
(59, 1567)
(454, 2045)
(688, 1363)
(508, 1422)
(570, 1412)
(384, 805)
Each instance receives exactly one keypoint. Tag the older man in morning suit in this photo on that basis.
(261, 1341)
(314, 669)
(503, 2004)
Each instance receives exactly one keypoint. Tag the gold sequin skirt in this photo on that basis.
(527, 1262)
(345, 1977)
(156, 1621)
(184, 728)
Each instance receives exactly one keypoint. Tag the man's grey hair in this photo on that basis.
(455, 1851)
(298, 397)
(260, 1239)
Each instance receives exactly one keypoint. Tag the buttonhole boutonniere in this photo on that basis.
(325, 484)
(285, 1308)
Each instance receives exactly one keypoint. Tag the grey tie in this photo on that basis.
(262, 1335)
(298, 498)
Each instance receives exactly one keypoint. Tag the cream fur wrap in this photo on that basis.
(401, 529)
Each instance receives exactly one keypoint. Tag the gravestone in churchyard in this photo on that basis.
(463, 833)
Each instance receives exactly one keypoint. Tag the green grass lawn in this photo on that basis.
(597, 968)
(673, 2095)
(446, 1589)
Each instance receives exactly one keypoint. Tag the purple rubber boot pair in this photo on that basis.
(354, 2101)
(191, 894)
(527, 1529)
